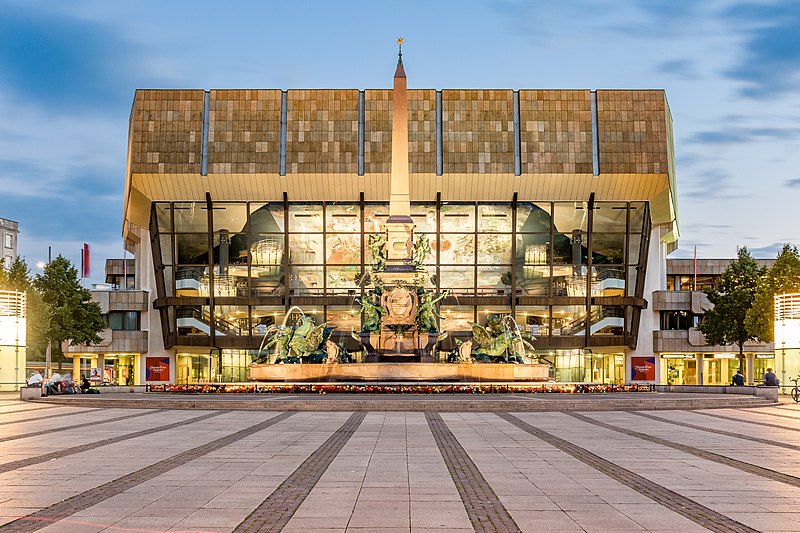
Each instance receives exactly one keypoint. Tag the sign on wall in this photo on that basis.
(157, 368)
(643, 368)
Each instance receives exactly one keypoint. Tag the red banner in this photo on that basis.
(85, 261)
(643, 368)
(157, 368)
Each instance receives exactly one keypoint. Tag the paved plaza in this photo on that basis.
(76, 468)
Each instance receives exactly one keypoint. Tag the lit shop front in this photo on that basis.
(711, 368)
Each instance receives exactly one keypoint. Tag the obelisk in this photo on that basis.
(399, 226)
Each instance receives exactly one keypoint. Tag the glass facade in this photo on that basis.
(568, 272)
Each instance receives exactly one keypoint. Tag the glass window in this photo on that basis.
(235, 365)
(533, 217)
(263, 316)
(342, 218)
(676, 320)
(533, 248)
(608, 248)
(494, 249)
(192, 248)
(456, 318)
(230, 217)
(266, 280)
(607, 320)
(533, 280)
(343, 249)
(230, 248)
(304, 218)
(344, 318)
(484, 312)
(457, 249)
(375, 216)
(305, 249)
(305, 280)
(569, 320)
(123, 320)
(266, 218)
(633, 272)
(458, 217)
(430, 259)
(637, 210)
(459, 279)
(231, 320)
(609, 217)
(534, 319)
(569, 280)
(194, 320)
(634, 244)
(163, 216)
(165, 242)
(570, 248)
(494, 280)
(266, 249)
(190, 217)
(343, 279)
(570, 217)
(424, 216)
(494, 218)
(608, 281)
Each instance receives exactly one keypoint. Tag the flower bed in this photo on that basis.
(313, 388)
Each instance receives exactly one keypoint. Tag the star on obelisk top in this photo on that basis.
(400, 72)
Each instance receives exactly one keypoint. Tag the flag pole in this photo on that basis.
(694, 279)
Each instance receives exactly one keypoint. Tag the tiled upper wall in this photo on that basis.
(477, 131)
(244, 131)
(632, 129)
(555, 132)
(167, 132)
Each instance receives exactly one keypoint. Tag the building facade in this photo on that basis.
(685, 357)
(9, 232)
(552, 206)
(119, 358)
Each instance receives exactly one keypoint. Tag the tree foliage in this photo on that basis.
(73, 315)
(733, 296)
(782, 278)
(18, 278)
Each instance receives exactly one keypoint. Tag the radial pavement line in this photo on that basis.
(279, 507)
(29, 410)
(14, 465)
(82, 410)
(697, 513)
(484, 508)
(78, 426)
(718, 431)
(754, 422)
(795, 418)
(698, 452)
(86, 499)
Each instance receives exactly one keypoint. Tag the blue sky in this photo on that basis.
(731, 70)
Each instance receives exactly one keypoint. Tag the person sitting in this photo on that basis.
(85, 385)
(738, 379)
(770, 379)
(35, 380)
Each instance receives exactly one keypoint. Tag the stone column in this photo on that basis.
(700, 377)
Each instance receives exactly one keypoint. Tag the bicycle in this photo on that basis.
(795, 390)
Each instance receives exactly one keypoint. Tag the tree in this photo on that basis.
(782, 278)
(72, 314)
(733, 296)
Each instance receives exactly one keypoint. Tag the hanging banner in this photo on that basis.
(157, 368)
(643, 368)
(85, 262)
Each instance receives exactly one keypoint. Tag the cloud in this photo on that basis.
(678, 68)
(793, 183)
(769, 251)
(710, 184)
(735, 135)
(62, 62)
(771, 61)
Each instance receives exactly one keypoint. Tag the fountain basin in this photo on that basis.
(495, 372)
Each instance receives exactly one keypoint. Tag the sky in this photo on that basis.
(68, 72)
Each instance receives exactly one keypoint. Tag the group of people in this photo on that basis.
(59, 384)
(770, 379)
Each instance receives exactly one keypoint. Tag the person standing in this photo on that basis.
(738, 379)
(770, 379)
